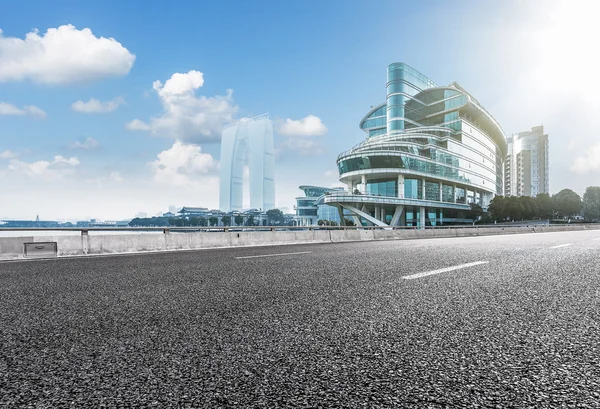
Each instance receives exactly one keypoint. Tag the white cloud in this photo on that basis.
(35, 111)
(57, 168)
(301, 136)
(308, 126)
(7, 155)
(185, 116)
(115, 176)
(62, 55)
(96, 106)
(183, 165)
(589, 162)
(137, 125)
(32, 110)
(9, 109)
(89, 143)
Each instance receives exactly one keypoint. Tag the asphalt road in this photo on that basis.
(331, 325)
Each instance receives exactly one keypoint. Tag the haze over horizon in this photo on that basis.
(111, 108)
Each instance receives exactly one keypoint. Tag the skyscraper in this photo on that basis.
(526, 169)
(248, 142)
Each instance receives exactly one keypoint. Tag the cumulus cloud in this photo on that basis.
(186, 116)
(62, 55)
(137, 125)
(95, 106)
(588, 162)
(87, 144)
(301, 135)
(182, 165)
(308, 126)
(7, 155)
(57, 168)
(31, 110)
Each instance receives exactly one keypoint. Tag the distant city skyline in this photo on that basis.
(133, 124)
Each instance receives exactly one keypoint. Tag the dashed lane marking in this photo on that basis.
(561, 245)
(275, 255)
(444, 270)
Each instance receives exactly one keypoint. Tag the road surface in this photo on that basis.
(499, 321)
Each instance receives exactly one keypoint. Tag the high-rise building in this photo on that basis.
(248, 142)
(526, 169)
(430, 152)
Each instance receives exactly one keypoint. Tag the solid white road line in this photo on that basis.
(275, 255)
(561, 245)
(444, 270)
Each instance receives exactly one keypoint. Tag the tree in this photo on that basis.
(226, 220)
(320, 222)
(514, 208)
(544, 205)
(591, 203)
(475, 212)
(349, 222)
(176, 221)
(194, 221)
(530, 209)
(213, 220)
(497, 208)
(275, 216)
(567, 203)
(239, 219)
(250, 221)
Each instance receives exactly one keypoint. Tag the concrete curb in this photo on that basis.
(12, 248)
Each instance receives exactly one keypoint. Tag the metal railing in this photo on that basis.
(222, 229)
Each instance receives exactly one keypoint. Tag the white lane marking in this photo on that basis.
(561, 245)
(275, 255)
(444, 270)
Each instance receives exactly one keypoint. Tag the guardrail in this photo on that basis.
(188, 229)
(36, 242)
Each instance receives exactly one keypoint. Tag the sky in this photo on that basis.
(111, 108)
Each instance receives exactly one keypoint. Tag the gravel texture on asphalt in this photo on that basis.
(337, 327)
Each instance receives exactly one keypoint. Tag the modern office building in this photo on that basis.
(311, 207)
(248, 142)
(526, 169)
(429, 153)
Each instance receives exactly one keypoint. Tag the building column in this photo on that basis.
(341, 213)
(423, 181)
(382, 214)
(376, 212)
(422, 216)
(398, 218)
(364, 184)
(441, 191)
(350, 188)
(454, 193)
(401, 186)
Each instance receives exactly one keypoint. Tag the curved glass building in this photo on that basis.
(430, 151)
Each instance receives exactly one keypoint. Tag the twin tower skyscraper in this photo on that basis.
(247, 142)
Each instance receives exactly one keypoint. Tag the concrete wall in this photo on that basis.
(83, 245)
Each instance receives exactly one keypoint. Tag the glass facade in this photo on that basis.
(383, 188)
(311, 209)
(248, 142)
(426, 143)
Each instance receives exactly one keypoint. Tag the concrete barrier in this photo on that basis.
(84, 244)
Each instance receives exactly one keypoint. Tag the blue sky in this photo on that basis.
(528, 63)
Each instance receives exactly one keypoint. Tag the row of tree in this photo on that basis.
(321, 222)
(275, 217)
(564, 204)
